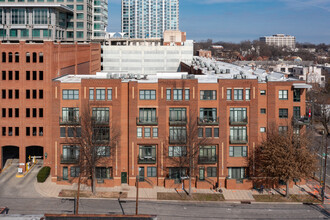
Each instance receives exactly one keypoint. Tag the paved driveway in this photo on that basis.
(13, 187)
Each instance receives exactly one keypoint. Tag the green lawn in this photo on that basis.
(194, 197)
(280, 198)
(88, 194)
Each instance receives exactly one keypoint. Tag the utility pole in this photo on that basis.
(137, 195)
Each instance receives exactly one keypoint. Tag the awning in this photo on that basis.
(301, 86)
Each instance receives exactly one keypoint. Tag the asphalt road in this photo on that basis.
(167, 210)
(319, 144)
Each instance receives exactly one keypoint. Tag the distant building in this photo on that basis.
(205, 53)
(280, 40)
(149, 19)
(137, 56)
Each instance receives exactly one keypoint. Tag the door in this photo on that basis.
(124, 177)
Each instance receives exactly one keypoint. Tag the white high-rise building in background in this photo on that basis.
(149, 18)
(280, 40)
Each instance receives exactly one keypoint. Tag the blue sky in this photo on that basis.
(238, 20)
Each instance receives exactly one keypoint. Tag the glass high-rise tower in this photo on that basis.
(149, 18)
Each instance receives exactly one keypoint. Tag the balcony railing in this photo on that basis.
(238, 139)
(146, 121)
(99, 121)
(69, 120)
(208, 121)
(301, 120)
(207, 160)
(69, 159)
(238, 121)
(182, 140)
(182, 121)
(146, 159)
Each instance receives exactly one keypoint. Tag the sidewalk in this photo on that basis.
(51, 189)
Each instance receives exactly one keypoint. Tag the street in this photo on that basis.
(167, 210)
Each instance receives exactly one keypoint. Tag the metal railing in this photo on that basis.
(304, 120)
(238, 139)
(146, 121)
(146, 160)
(238, 121)
(69, 159)
(182, 140)
(207, 160)
(174, 121)
(69, 120)
(208, 121)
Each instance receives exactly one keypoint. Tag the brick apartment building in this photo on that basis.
(231, 112)
(27, 70)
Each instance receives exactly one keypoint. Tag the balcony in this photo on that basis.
(69, 159)
(100, 121)
(207, 160)
(182, 121)
(147, 160)
(173, 140)
(208, 121)
(238, 121)
(238, 139)
(146, 121)
(69, 121)
(304, 120)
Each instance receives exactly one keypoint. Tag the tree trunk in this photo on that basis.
(93, 181)
(78, 193)
(287, 189)
(190, 174)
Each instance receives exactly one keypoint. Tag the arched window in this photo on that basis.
(3, 57)
(34, 57)
(10, 57)
(28, 57)
(16, 57)
(41, 57)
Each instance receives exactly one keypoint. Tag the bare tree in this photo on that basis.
(284, 156)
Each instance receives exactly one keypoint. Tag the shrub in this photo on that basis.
(43, 174)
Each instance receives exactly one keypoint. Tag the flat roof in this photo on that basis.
(60, 7)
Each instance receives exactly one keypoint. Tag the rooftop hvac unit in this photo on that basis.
(184, 76)
(138, 76)
(227, 70)
(191, 76)
(115, 76)
(109, 76)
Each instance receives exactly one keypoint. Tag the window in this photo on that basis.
(147, 153)
(154, 132)
(283, 94)
(208, 95)
(10, 112)
(41, 57)
(4, 57)
(100, 115)
(10, 94)
(70, 94)
(208, 132)
(236, 172)
(80, 7)
(35, 33)
(147, 132)
(65, 173)
(200, 132)
(139, 132)
(177, 114)
(262, 92)
(80, 34)
(101, 134)
(10, 131)
(177, 151)
(34, 75)
(16, 75)
(3, 75)
(151, 171)
(147, 94)
(10, 75)
(80, 25)
(16, 131)
(208, 115)
(216, 132)
(16, 57)
(74, 171)
(41, 131)
(34, 93)
(4, 93)
(91, 94)
(80, 16)
(41, 76)
(283, 113)
(3, 131)
(70, 153)
(238, 115)
(282, 129)
(262, 111)
(41, 94)
(187, 94)
(27, 57)
(109, 94)
(177, 172)
(3, 112)
(238, 94)
(103, 172)
(211, 172)
(27, 75)
(168, 94)
(147, 115)
(178, 134)
(238, 134)
(247, 94)
(25, 33)
(207, 154)
(100, 94)
(70, 115)
(202, 173)
(238, 151)
(296, 112)
(18, 16)
(103, 151)
(62, 132)
(177, 94)
(262, 129)
(228, 94)
(296, 95)
(34, 131)
(16, 112)
(27, 132)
